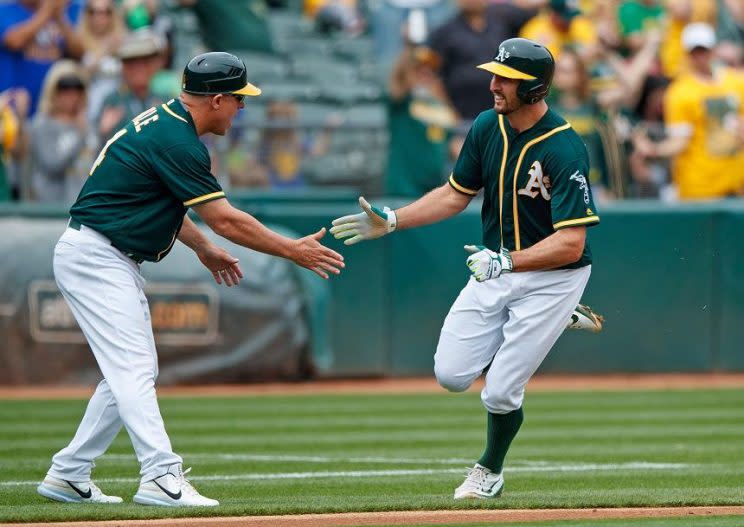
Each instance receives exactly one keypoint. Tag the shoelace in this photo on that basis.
(477, 476)
(186, 484)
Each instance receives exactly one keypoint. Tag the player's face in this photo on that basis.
(504, 91)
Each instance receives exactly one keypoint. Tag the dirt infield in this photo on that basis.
(410, 517)
(406, 385)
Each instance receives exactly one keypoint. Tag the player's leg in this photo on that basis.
(103, 290)
(471, 333)
(98, 428)
(536, 320)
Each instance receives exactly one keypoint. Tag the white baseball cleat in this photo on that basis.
(584, 317)
(172, 489)
(73, 491)
(480, 483)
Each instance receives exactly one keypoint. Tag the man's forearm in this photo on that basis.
(73, 43)
(191, 236)
(439, 204)
(243, 229)
(21, 34)
(560, 248)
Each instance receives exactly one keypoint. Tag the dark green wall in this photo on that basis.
(668, 278)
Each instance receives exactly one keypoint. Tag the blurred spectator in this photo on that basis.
(388, 18)
(572, 98)
(281, 149)
(419, 121)
(102, 31)
(636, 18)
(338, 16)
(60, 156)
(140, 14)
(234, 24)
(470, 38)
(9, 137)
(603, 14)
(562, 25)
(705, 127)
(14, 107)
(651, 176)
(679, 13)
(730, 25)
(141, 57)
(35, 33)
(730, 54)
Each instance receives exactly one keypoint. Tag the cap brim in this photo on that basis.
(248, 89)
(505, 71)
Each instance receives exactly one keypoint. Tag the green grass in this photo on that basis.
(574, 450)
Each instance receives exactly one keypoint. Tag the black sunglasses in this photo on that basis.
(237, 96)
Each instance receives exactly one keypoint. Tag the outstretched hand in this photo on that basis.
(367, 225)
(311, 254)
(224, 267)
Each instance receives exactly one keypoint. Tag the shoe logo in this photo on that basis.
(574, 318)
(172, 495)
(85, 495)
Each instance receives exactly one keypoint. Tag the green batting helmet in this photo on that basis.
(528, 61)
(217, 72)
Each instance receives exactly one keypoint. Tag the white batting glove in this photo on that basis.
(485, 264)
(367, 225)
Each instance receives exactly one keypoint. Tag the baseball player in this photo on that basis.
(534, 263)
(132, 209)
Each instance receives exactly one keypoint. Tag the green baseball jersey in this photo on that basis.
(534, 182)
(143, 181)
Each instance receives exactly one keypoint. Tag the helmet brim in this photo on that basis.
(505, 71)
(248, 89)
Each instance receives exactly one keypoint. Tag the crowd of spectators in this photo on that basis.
(654, 87)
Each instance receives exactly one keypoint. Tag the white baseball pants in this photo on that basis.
(510, 323)
(104, 290)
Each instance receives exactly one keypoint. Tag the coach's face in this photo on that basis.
(504, 91)
(225, 107)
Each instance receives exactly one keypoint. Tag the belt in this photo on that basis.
(75, 224)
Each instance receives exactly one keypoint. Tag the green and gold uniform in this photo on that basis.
(534, 182)
(143, 181)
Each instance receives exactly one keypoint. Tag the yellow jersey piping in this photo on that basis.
(205, 197)
(174, 114)
(577, 221)
(501, 178)
(460, 188)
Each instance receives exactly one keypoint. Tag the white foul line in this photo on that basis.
(585, 467)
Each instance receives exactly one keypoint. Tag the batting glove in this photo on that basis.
(485, 264)
(367, 225)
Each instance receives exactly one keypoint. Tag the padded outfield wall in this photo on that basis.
(669, 279)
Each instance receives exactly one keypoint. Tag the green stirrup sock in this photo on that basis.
(501, 430)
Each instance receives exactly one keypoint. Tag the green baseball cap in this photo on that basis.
(566, 9)
(217, 72)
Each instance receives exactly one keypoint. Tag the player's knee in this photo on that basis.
(502, 400)
(452, 379)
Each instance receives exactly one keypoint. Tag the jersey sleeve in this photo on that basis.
(571, 201)
(185, 170)
(466, 176)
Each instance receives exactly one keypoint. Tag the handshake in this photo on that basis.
(484, 264)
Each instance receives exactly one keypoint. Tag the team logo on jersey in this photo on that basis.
(583, 185)
(537, 184)
(503, 55)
